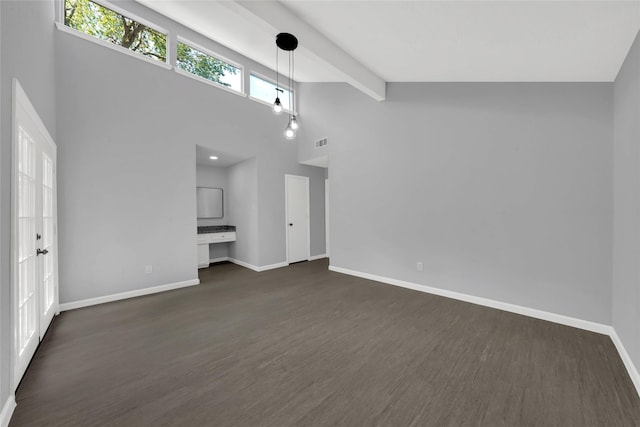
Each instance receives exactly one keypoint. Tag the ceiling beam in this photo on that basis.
(278, 17)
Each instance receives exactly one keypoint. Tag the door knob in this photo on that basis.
(43, 252)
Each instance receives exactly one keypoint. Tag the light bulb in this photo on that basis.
(294, 123)
(277, 106)
(289, 133)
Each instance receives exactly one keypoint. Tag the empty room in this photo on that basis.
(319, 213)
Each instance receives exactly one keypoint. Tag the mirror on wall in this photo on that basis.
(209, 202)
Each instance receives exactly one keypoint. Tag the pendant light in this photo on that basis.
(277, 105)
(289, 43)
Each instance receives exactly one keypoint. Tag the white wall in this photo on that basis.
(503, 191)
(626, 204)
(28, 54)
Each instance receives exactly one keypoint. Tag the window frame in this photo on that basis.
(273, 82)
(209, 52)
(60, 25)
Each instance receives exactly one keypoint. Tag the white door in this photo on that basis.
(34, 234)
(326, 216)
(297, 225)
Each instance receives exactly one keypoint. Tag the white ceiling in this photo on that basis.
(223, 160)
(480, 40)
(366, 43)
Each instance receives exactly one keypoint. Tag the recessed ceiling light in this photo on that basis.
(213, 157)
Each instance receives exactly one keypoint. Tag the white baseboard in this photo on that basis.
(626, 359)
(7, 411)
(124, 295)
(220, 259)
(513, 308)
(315, 257)
(258, 268)
(244, 264)
(273, 266)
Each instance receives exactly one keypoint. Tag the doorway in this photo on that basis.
(297, 218)
(34, 242)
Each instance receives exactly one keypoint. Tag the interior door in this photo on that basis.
(297, 200)
(34, 240)
(46, 250)
(326, 216)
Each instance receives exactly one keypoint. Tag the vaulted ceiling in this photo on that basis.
(368, 43)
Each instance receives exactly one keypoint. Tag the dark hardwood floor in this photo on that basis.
(305, 346)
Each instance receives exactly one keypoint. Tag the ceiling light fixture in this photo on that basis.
(213, 157)
(287, 42)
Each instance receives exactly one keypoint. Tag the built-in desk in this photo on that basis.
(213, 234)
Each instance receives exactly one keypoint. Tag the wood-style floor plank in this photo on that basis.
(303, 346)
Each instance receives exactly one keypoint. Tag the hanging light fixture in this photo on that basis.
(277, 105)
(287, 42)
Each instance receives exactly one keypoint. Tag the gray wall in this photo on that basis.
(28, 54)
(242, 180)
(215, 177)
(503, 191)
(127, 139)
(271, 195)
(626, 204)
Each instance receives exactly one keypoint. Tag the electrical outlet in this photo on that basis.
(148, 269)
(419, 266)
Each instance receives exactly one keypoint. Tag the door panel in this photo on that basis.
(27, 328)
(33, 235)
(297, 195)
(47, 277)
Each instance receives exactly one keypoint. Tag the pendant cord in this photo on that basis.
(293, 97)
(290, 80)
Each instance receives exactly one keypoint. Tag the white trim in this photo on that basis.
(273, 266)
(315, 257)
(255, 267)
(125, 295)
(112, 46)
(513, 308)
(327, 224)
(59, 11)
(251, 266)
(7, 411)
(182, 72)
(244, 264)
(626, 359)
